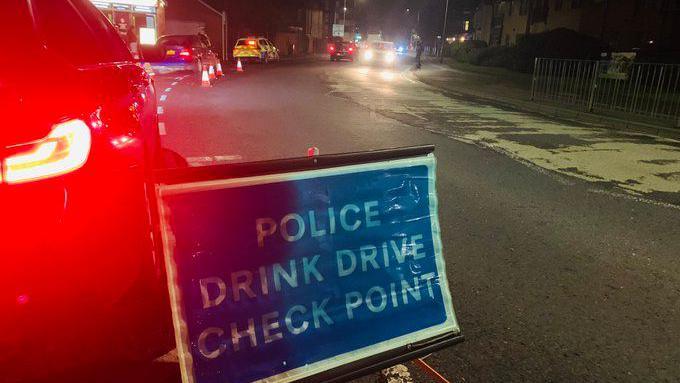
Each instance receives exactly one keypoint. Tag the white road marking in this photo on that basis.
(161, 129)
(207, 160)
(634, 198)
(160, 110)
(164, 97)
(174, 83)
(234, 157)
(167, 90)
(199, 159)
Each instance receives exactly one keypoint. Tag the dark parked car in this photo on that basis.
(341, 50)
(189, 51)
(80, 278)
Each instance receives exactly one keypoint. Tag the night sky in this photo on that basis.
(393, 19)
(388, 16)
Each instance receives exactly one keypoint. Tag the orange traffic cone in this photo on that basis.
(218, 71)
(211, 72)
(312, 151)
(205, 78)
(239, 66)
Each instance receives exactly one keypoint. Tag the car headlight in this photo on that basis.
(368, 55)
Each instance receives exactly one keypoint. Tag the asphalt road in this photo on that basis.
(555, 276)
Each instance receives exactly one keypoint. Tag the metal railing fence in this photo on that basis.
(642, 89)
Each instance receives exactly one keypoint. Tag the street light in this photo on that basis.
(408, 12)
(344, 13)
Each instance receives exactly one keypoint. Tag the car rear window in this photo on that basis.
(78, 32)
(184, 41)
(243, 42)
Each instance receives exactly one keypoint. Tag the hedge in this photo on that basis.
(558, 43)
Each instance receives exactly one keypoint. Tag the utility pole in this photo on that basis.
(605, 13)
(446, 17)
(223, 16)
(225, 35)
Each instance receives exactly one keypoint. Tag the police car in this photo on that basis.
(255, 49)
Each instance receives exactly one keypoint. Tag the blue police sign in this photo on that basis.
(281, 277)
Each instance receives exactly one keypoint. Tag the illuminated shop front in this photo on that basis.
(136, 20)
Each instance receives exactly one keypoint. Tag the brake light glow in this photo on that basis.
(331, 48)
(64, 150)
(121, 141)
(185, 53)
(251, 42)
(22, 299)
(351, 49)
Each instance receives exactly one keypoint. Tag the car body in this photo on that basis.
(257, 49)
(339, 49)
(81, 279)
(190, 52)
(380, 53)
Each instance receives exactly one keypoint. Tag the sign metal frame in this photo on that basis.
(361, 367)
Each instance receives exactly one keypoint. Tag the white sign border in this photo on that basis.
(450, 325)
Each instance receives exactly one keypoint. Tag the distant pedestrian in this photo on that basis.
(419, 53)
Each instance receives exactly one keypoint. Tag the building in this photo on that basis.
(138, 20)
(196, 16)
(319, 17)
(630, 24)
(315, 30)
(144, 21)
(625, 24)
(340, 19)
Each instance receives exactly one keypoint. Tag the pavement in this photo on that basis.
(561, 239)
(510, 89)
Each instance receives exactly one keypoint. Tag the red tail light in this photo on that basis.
(185, 53)
(331, 48)
(251, 42)
(64, 150)
(351, 49)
